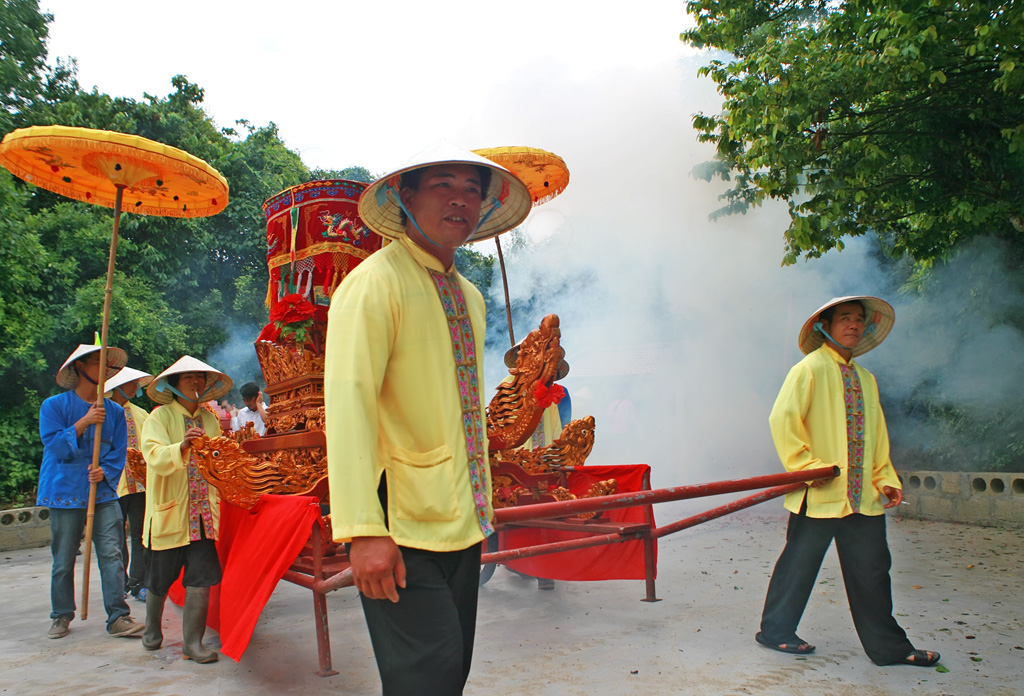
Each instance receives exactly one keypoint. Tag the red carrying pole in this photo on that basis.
(567, 508)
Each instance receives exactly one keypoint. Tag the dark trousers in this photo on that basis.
(424, 643)
(865, 562)
(198, 559)
(133, 507)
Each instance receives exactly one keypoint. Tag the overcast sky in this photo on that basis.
(371, 83)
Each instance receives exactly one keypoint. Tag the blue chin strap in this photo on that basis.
(382, 199)
(870, 329)
(137, 394)
(163, 386)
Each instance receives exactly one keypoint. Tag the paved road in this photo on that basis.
(958, 589)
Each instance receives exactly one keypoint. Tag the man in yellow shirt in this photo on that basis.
(125, 385)
(182, 510)
(828, 413)
(406, 428)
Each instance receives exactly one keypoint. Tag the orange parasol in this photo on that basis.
(114, 170)
(544, 174)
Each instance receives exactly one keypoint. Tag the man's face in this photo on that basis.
(89, 366)
(446, 205)
(847, 324)
(251, 403)
(191, 384)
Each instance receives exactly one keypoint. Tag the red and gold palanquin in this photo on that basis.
(314, 238)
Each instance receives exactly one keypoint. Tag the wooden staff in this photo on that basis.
(90, 511)
(504, 282)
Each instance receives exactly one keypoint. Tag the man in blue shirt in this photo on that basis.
(67, 428)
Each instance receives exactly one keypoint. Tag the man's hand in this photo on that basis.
(94, 415)
(190, 435)
(260, 406)
(895, 496)
(377, 566)
(818, 483)
(95, 474)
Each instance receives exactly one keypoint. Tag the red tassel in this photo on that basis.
(547, 396)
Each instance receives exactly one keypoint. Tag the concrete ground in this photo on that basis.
(957, 589)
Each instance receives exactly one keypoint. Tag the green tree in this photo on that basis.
(905, 117)
(181, 285)
(23, 33)
(350, 173)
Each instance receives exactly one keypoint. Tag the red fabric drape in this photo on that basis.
(623, 561)
(255, 548)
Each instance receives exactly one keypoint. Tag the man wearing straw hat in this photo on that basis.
(406, 435)
(828, 413)
(127, 384)
(66, 426)
(182, 510)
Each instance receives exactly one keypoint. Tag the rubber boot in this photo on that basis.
(193, 625)
(153, 636)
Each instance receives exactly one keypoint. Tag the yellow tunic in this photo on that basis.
(167, 486)
(393, 406)
(137, 415)
(808, 424)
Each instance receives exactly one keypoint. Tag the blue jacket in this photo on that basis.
(64, 474)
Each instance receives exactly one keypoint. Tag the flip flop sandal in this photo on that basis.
(800, 647)
(920, 658)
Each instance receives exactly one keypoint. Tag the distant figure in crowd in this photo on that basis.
(127, 384)
(67, 426)
(182, 509)
(255, 411)
(407, 455)
(828, 413)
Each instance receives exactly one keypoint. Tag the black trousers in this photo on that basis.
(424, 643)
(865, 561)
(198, 558)
(133, 507)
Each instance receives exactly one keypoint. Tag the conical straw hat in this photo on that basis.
(67, 376)
(126, 375)
(879, 318)
(217, 383)
(506, 203)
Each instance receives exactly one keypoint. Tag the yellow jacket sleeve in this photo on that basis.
(160, 447)
(361, 331)
(788, 421)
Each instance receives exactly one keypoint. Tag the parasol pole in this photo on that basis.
(91, 508)
(504, 282)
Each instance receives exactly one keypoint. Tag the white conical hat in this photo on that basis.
(879, 318)
(506, 202)
(217, 383)
(67, 376)
(126, 375)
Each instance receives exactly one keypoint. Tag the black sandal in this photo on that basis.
(921, 658)
(799, 648)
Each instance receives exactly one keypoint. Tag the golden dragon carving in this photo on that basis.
(538, 474)
(514, 412)
(242, 477)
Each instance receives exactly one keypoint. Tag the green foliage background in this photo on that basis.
(899, 117)
(903, 119)
(180, 284)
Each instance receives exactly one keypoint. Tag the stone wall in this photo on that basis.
(989, 499)
(24, 528)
